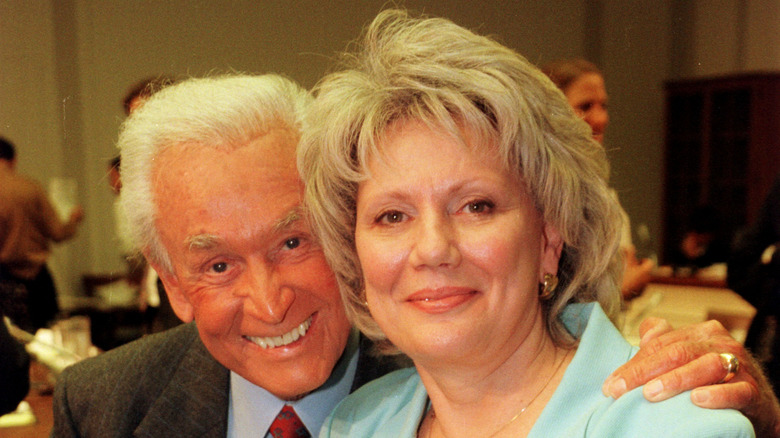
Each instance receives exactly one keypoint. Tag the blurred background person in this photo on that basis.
(153, 302)
(141, 91)
(28, 224)
(133, 99)
(583, 85)
(704, 244)
(114, 180)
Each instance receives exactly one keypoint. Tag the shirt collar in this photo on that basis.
(252, 408)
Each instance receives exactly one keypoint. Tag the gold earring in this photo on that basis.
(548, 286)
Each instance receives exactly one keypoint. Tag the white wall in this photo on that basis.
(66, 64)
(730, 36)
(762, 35)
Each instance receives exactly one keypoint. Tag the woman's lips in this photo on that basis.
(440, 300)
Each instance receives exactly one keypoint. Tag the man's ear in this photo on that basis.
(551, 248)
(178, 299)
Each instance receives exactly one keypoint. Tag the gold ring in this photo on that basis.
(730, 364)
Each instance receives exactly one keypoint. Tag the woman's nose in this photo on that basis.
(435, 243)
(598, 118)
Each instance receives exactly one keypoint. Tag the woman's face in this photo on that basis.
(588, 96)
(452, 248)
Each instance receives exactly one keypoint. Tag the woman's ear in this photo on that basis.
(551, 248)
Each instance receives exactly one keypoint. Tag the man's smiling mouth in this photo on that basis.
(285, 339)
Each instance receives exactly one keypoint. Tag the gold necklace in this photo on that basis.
(517, 415)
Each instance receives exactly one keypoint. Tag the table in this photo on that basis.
(684, 304)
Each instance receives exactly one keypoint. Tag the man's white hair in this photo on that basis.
(227, 111)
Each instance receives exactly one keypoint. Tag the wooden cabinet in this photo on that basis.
(722, 149)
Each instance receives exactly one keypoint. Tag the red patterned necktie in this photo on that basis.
(288, 425)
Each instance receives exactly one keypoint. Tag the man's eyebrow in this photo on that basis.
(209, 241)
(202, 241)
(291, 218)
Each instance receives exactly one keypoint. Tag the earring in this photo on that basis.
(548, 286)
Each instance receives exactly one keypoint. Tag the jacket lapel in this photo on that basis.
(195, 401)
(372, 366)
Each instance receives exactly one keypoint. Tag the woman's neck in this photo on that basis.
(484, 397)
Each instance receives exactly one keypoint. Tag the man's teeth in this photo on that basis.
(287, 338)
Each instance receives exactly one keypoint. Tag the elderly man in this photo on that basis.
(213, 197)
(214, 202)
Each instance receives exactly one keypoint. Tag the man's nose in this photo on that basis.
(267, 298)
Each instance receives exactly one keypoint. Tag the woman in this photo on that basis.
(465, 211)
(583, 85)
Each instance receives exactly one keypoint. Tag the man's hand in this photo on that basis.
(672, 361)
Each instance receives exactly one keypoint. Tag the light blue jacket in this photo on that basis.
(393, 406)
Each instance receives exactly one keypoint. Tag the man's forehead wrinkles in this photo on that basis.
(206, 241)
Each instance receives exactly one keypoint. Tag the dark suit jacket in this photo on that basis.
(162, 385)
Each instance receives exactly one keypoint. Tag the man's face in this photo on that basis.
(246, 267)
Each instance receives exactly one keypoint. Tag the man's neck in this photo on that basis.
(253, 408)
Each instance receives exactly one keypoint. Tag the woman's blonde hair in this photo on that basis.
(433, 71)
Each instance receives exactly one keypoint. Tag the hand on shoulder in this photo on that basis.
(672, 361)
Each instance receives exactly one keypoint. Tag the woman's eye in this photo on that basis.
(585, 107)
(391, 217)
(219, 267)
(292, 243)
(479, 207)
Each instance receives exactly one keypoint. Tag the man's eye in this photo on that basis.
(292, 243)
(219, 267)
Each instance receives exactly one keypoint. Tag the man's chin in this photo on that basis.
(292, 387)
